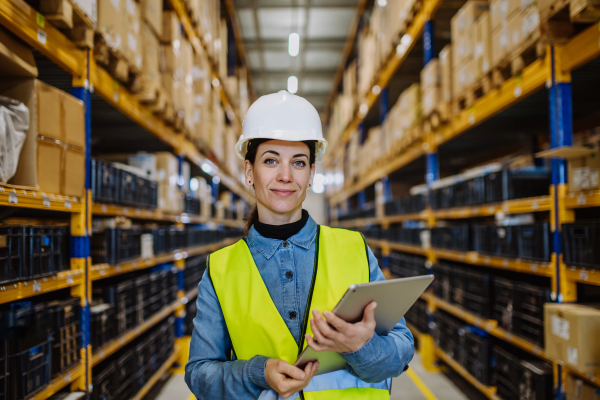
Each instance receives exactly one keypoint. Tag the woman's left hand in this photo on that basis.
(335, 334)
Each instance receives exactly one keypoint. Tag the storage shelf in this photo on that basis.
(20, 290)
(583, 275)
(59, 382)
(580, 50)
(539, 268)
(488, 391)
(593, 379)
(490, 326)
(534, 204)
(388, 219)
(101, 271)
(158, 215)
(158, 375)
(582, 199)
(100, 354)
(24, 198)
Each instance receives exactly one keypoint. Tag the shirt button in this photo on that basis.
(285, 243)
(289, 274)
(292, 314)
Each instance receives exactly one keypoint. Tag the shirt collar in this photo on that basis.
(267, 246)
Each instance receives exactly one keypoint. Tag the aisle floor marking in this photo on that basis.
(419, 384)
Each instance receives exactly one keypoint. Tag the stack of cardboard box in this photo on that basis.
(167, 176)
(209, 25)
(445, 58)
(218, 127)
(52, 158)
(431, 88)
(202, 115)
(464, 65)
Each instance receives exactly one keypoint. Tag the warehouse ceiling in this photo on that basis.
(323, 26)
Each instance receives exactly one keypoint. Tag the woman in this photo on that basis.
(257, 296)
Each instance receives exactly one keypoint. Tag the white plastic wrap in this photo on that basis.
(14, 124)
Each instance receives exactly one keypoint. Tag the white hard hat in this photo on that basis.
(282, 116)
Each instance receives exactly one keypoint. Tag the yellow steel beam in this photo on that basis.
(488, 391)
(474, 258)
(534, 204)
(407, 248)
(593, 379)
(576, 274)
(59, 382)
(101, 271)
(582, 199)
(21, 290)
(580, 50)
(24, 198)
(32, 27)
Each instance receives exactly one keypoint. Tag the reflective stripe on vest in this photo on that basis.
(256, 327)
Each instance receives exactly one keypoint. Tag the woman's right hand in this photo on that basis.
(286, 379)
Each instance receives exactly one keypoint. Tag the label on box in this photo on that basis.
(132, 41)
(130, 7)
(530, 22)
(504, 39)
(116, 4)
(594, 177)
(560, 327)
(478, 49)
(584, 178)
(516, 37)
(41, 36)
(572, 355)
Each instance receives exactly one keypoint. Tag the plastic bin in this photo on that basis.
(536, 381)
(12, 267)
(580, 241)
(451, 237)
(104, 182)
(534, 242)
(104, 382)
(504, 303)
(482, 239)
(475, 353)
(103, 328)
(66, 334)
(506, 373)
(28, 365)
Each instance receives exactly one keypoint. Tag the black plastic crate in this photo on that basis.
(580, 242)
(506, 373)
(194, 269)
(442, 284)
(103, 327)
(504, 303)
(451, 237)
(190, 313)
(104, 182)
(405, 235)
(534, 242)
(505, 241)
(446, 333)
(115, 245)
(475, 353)
(104, 382)
(482, 239)
(191, 205)
(3, 370)
(528, 319)
(516, 184)
(126, 186)
(417, 316)
(536, 381)
(28, 365)
(12, 264)
(404, 265)
(477, 293)
(43, 249)
(141, 294)
(473, 191)
(125, 376)
(66, 334)
(443, 197)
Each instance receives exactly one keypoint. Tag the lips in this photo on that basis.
(283, 193)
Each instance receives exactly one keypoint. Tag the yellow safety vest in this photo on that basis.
(255, 325)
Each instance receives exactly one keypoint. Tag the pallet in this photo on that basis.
(513, 64)
(468, 97)
(110, 58)
(71, 20)
(574, 11)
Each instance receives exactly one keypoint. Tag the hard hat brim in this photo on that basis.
(241, 147)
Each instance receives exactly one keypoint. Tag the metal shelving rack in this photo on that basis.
(87, 78)
(553, 72)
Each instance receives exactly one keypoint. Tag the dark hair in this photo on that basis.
(251, 156)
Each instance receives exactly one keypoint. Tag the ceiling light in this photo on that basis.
(376, 89)
(382, 3)
(292, 84)
(216, 180)
(194, 184)
(294, 44)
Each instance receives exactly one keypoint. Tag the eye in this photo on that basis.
(270, 161)
(299, 163)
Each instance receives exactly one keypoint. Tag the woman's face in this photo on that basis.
(280, 174)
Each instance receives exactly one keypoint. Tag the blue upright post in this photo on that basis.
(81, 225)
(561, 134)
(384, 100)
(428, 41)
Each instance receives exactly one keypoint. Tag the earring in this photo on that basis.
(249, 182)
(310, 184)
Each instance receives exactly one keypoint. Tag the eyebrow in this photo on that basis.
(277, 154)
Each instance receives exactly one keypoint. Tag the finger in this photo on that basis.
(319, 337)
(291, 371)
(327, 331)
(314, 345)
(369, 314)
(336, 322)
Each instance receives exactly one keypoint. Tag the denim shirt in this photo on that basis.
(210, 375)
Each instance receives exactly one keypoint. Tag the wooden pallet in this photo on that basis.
(468, 97)
(110, 58)
(530, 50)
(149, 91)
(574, 11)
(71, 20)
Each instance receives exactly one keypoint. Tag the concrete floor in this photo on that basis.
(434, 385)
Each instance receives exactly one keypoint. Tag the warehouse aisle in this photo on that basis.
(416, 384)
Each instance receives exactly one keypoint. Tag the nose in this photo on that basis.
(285, 173)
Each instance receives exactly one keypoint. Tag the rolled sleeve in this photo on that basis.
(256, 371)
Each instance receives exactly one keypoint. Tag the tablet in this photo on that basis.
(393, 298)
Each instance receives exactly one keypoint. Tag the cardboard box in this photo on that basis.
(73, 172)
(150, 61)
(463, 77)
(169, 199)
(73, 120)
(145, 162)
(16, 58)
(152, 15)
(584, 172)
(463, 48)
(578, 389)
(131, 33)
(48, 166)
(464, 19)
(446, 72)
(569, 335)
(431, 74)
(431, 99)
(49, 112)
(111, 19)
(483, 45)
(167, 168)
(171, 30)
(90, 9)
